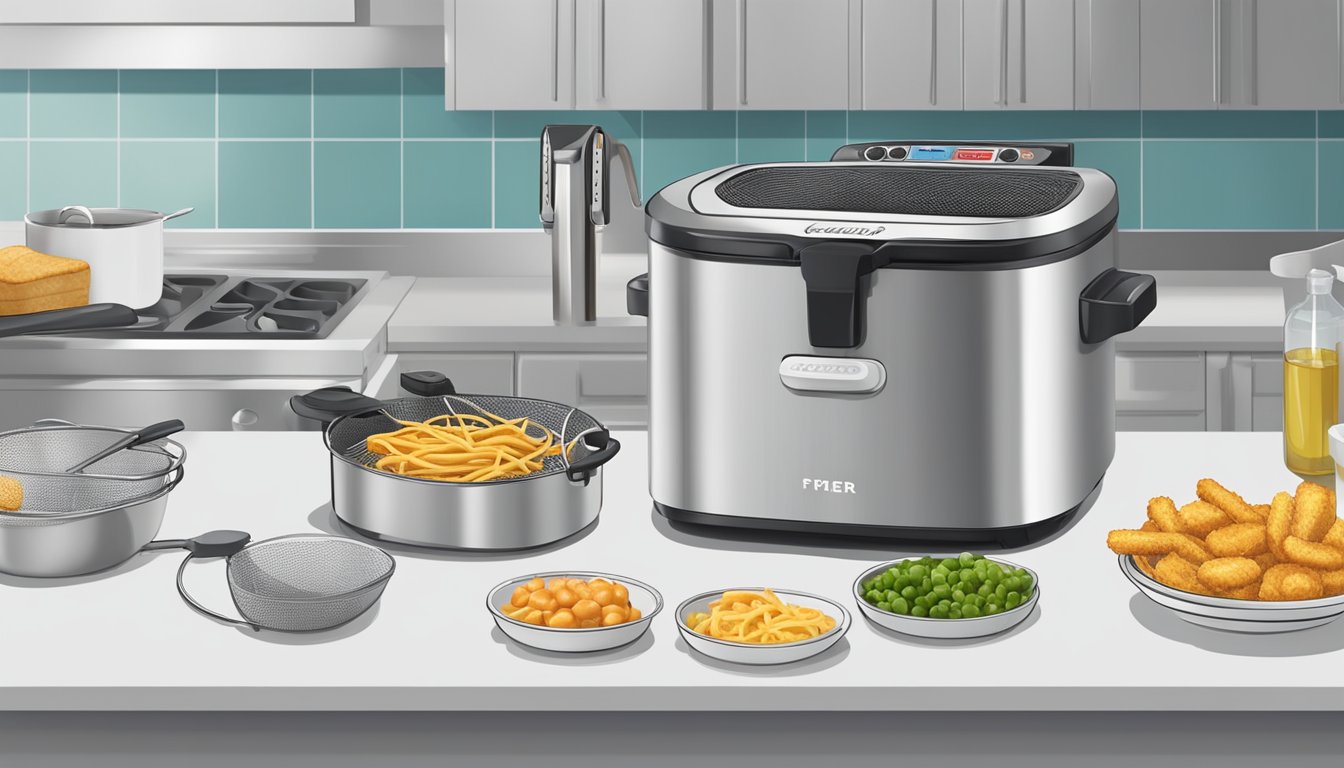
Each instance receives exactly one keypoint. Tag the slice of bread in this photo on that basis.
(35, 282)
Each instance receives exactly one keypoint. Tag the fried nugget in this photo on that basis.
(1332, 582)
(11, 494)
(1149, 525)
(1224, 573)
(1175, 571)
(1199, 518)
(1128, 542)
(1162, 511)
(1313, 554)
(1290, 581)
(1236, 507)
(1237, 540)
(1313, 513)
(1279, 523)
(1249, 592)
(1335, 537)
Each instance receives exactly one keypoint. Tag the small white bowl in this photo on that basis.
(642, 596)
(946, 629)
(1248, 616)
(762, 654)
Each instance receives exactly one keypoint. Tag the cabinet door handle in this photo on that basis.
(1255, 53)
(742, 52)
(1022, 96)
(1001, 85)
(555, 50)
(602, 49)
(1217, 50)
(933, 52)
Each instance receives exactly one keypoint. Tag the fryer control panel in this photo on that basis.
(960, 153)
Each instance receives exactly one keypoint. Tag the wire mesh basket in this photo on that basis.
(37, 459)
(301, 582)
(348, 436)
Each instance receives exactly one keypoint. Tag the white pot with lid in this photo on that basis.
(123, 247)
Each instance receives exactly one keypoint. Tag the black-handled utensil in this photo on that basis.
(86, 318)
(139, 437)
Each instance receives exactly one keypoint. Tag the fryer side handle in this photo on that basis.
(1115, 302)
(330, 403)
(637, 296)
(582, 470)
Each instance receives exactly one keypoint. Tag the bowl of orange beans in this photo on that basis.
(574, 612)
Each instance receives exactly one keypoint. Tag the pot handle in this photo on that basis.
(201, 609)
(330, 403)
(90, 317)
(427, 384)
(583, 469)
(1115, 302)
(212, 544)
(65, 213)
(637, 296)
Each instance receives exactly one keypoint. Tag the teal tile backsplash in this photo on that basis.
(301, 149)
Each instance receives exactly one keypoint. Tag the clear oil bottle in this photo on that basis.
(1311, 377)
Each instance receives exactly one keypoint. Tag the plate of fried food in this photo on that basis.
(760, 625)
(574, 612)
(1224, 563)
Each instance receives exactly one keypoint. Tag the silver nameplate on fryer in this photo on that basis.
(850, 375)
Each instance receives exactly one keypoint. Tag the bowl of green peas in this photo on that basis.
(947, 597)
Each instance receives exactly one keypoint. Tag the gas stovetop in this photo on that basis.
(239, 306)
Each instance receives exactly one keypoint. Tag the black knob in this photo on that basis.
(1008, 155)
(874, 153)
(896, 153)
(427, 384)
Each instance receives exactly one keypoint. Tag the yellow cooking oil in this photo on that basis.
(1310, 408)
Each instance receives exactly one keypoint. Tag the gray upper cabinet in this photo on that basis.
(1018, 54)
(637, 54)
(781, 54)
(1181, 52)
(178, 12)
(509, 54)
(1292, 54)
(907, 54)
(1106, 54)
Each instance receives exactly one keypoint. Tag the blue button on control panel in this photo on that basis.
(931, 153)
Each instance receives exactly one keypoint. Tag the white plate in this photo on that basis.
(1248, 616)
(642, 596)
(946, 629)
(752, 653)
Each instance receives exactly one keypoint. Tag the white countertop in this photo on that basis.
(1196, 310)
(122, 640)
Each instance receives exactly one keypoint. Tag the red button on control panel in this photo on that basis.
(983, 155)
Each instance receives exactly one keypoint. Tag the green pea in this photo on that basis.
(970, 611)
(984, 591)
(995, 571)
(966, 558)
(958, 595)
(872, 596)
(919, 611)
(909, 593)
(1001, 592)
(954, 612)
(901, 606)
(884, 606)
(926, 584)
(939, 577)
(992, 609)
(945, 603)
(1027, 582)
(938, 612)
(1013, 583)
(1013, 600)
(951, 564)
(901, 583)
(918, 571)
(888, 580)
(942, 590)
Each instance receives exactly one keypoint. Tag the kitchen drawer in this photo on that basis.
(1188, 421)
(613, 388)
(487, 374)
(1267, 393)
(1159, 382)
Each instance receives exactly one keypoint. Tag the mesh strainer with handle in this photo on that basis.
(295, 583)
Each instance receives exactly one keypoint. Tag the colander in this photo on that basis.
(295, 583)
(553, 503)
(70, 524)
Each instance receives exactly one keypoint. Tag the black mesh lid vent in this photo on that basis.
(903, 191)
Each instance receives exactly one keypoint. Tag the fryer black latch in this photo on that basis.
(834, 273)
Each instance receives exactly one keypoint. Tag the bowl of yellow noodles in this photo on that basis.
(760, 625)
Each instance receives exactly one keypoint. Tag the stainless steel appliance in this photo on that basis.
(531, 510)
(908, 349)
(575, 207)
(222, 349)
